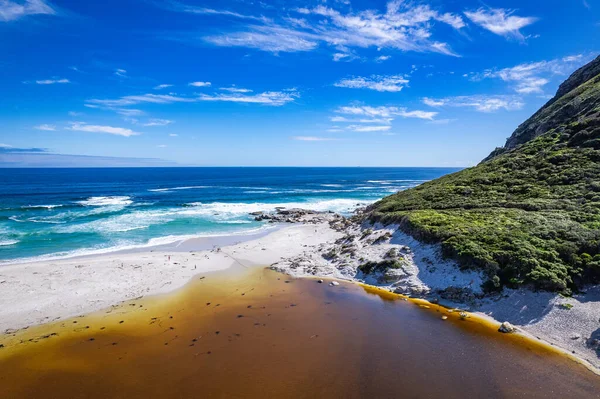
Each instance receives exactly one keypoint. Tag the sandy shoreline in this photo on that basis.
(41, 292)
(45, 291)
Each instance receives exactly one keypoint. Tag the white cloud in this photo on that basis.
(73, 113)
(45, 127)
(235, 90)
(500, 21)
(379, 83)
(338, 118)
(181, 7)
(200, 84)
(531, 77)
(162, 146)
(129, 112)
(163, 86)
(118, 131)
(13, 10)
(173, 135)
(52, 81)
(433, 103)
(441, 121)
(273, 39)
(383, 58)
(157, 122)
(139, 99)
(121, 73)
(385, 112)
(403, 26)
(363, 128)
(274, 98)
(312, 138)
(481, 103)
(374, 119)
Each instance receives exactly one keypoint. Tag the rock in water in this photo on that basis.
(320, 281)
(334, 284)
(507, 328)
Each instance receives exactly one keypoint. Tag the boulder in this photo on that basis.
(507, 328)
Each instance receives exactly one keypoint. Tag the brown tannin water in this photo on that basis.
(259, 334)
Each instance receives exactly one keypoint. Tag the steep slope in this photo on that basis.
(528, 214)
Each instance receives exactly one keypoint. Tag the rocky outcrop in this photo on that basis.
(293, 215)
(570, 105)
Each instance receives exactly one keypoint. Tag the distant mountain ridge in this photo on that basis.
(529, 214)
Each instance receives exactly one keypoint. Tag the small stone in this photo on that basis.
(575, 336)
(320, 281)
(334, 284)
(444, 317)
(507, 328)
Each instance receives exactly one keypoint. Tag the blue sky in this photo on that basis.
(274, 82)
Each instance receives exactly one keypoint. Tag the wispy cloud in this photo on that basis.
(181, 7)
(52, 81)
(386, 112)
(142, 98)
(45, 127)
(122, 73)
(364, 118)
(163, 86)
(481, 103)
(312, 138)
(274, 98)
(403, 26)
(129, 112)
(118, 131)
(367, 128)
(200, 84)
(379, 83)
(273, 39)
(235, 90)
(500, 21)
(157, 122)
(173, 135)
(343, 119)
(531, 77)
(11, 10)
(383, 58)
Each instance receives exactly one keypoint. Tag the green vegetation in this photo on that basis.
(528, 215)
(383, 266)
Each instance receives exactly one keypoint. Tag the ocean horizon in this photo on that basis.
(48, 213)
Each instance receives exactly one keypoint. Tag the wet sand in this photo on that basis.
(256, 333)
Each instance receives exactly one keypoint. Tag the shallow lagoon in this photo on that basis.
(257, 333)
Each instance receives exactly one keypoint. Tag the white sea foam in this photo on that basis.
(160, 190)
(332, 185)
(190, 187)
(41, 206)
(106, 201)
(239, 208)
(46, 220)
(128, 246)
(380, 181)
(6, 243)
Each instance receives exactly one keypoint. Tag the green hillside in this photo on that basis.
(530, 213)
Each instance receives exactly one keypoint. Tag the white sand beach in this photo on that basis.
(40, 292)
